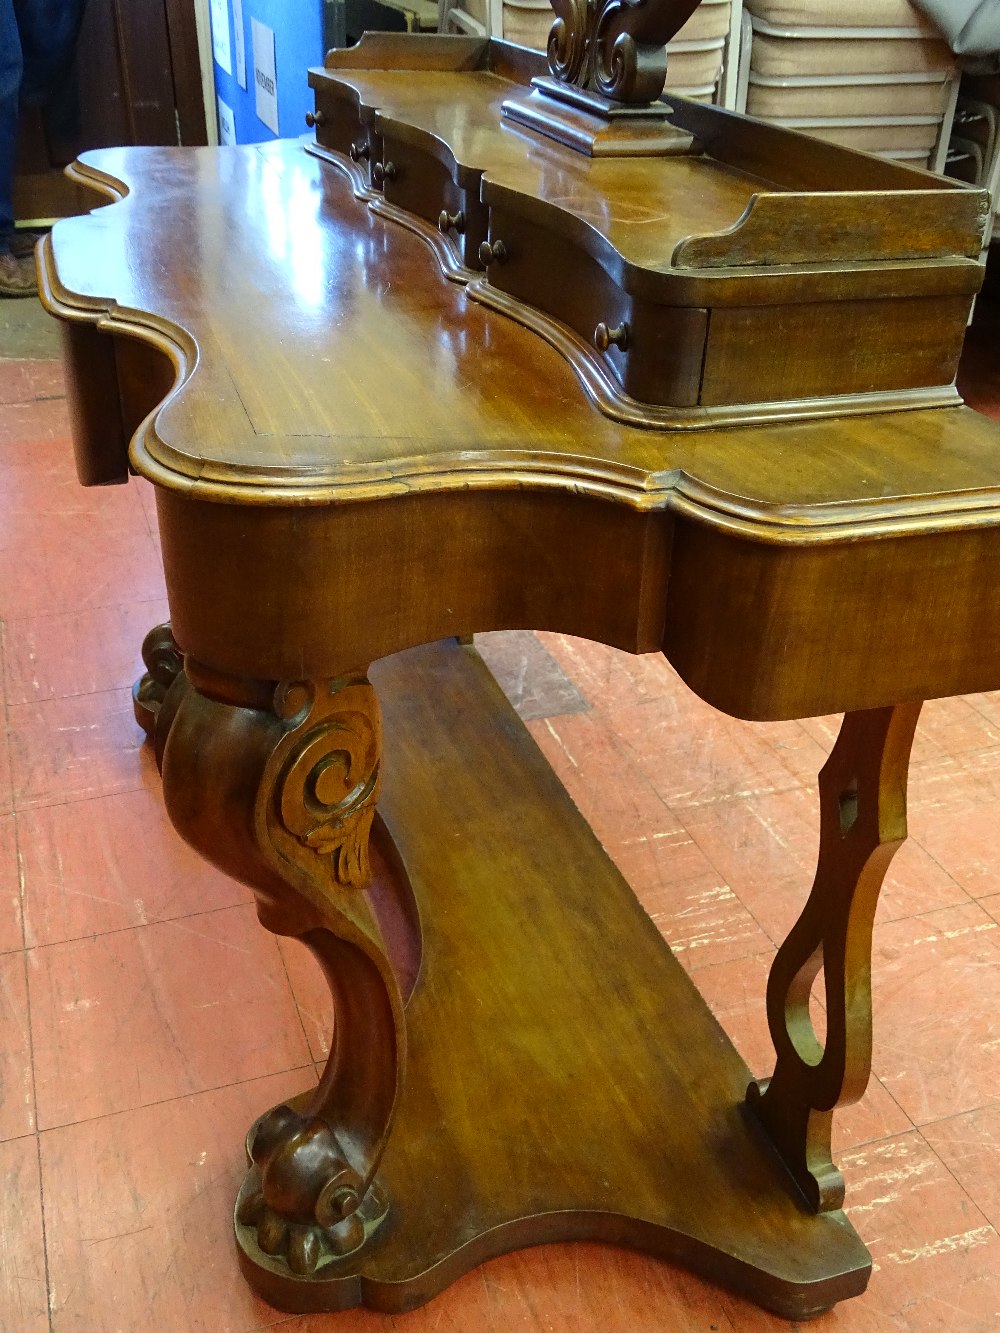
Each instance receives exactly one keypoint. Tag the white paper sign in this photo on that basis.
(220, 35)
(265, 81)
(239, 41)
(227, 122)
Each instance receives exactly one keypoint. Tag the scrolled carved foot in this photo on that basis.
(301, 1200)
(164, 663)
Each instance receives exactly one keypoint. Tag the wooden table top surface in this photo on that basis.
(322, 357)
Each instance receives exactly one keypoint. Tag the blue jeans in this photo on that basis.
(37, 38)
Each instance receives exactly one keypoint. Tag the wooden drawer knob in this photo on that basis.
(447, 221)
(315, 118)
(492, 252)
(384, 171)
(605, 337)
(359, 151)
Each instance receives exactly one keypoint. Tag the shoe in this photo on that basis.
(22, 243)
(17, 276)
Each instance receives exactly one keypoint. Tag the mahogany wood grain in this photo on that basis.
(351, 458)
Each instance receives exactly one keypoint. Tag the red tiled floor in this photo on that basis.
(24, 1301)
(139, 1016)
(78, 652)
(936, 993)
(76, 748)
(17, 1090)
(138, 1216)
(92, 866)
(10, 887)
(24, 381)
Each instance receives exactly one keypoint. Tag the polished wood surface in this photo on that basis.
(471, 440)
(352, 458)
(674, 231)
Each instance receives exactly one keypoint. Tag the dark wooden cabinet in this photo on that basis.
(136, 79)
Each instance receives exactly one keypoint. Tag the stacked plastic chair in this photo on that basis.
(870, 74)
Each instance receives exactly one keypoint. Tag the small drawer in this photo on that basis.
(653, 351)
(414, 179)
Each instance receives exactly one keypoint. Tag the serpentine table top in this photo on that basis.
(351, 459)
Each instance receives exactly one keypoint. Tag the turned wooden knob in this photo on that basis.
(384, 171)
(315, 118)
(605, 337)
(492, 252)
(359, 151)
(448, 220)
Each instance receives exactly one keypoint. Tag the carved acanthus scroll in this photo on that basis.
(615, 48)
(277, 785)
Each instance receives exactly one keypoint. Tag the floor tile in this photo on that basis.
(173, 1008)
(312, 995)
(965, 843)
(138, 1214)
(78, 652)
(11, 930)
(703, 921)
(613, 796)
(6, 784)
(969, 1146)
(937, 1259)
(765, 847)
(62, 566)
(24, 1306)
(699, 755)
(17, 1094)
(46, 419)
(610, 679)
(957, 727)
(105, 864)
(71, 749)
(936, 996)
(21, 381)
(529, 676)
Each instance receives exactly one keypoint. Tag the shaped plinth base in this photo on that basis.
(595, 125)
(565, 1078)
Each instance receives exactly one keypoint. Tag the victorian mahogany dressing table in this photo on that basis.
(516, 347)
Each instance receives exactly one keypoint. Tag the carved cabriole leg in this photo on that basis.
(277, 784)
(862, 822)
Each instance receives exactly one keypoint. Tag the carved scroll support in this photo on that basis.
(862, 822)
(276, 783)
(615, 47)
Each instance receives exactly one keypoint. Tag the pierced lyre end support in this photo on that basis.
(862, 791)
(277, 784)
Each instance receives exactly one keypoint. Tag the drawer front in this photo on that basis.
(654, 352)
(414, 180)
(338, 123)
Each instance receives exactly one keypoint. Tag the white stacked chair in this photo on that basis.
(869, 74)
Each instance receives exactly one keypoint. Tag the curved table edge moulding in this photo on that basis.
(354, 786)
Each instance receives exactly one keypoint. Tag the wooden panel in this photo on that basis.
(850, 347)
(323, 589)
(767, 632)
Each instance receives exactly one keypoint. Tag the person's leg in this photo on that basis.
(10, 91)
(48, 31)
(17, 276)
